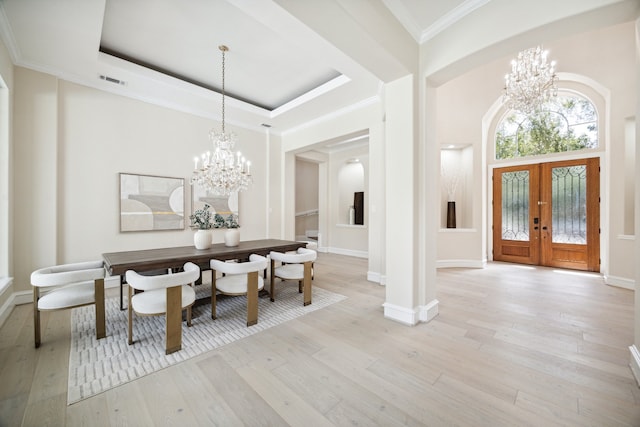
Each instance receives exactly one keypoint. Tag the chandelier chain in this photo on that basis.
(224, 49)
(222, 172)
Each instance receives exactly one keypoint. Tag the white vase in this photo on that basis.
(202, 239)
(232, 237)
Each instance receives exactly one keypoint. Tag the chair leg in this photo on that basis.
(189, 316)
(308, 268)
(130, 313)
(173, 327)
(272, 282)
(101, 329)
(36, 316)
(252, 298)
(213, 294)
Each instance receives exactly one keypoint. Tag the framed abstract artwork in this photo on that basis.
(151, 203)
(222, 205)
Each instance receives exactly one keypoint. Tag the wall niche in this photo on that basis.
(456, 165)
(351, 193)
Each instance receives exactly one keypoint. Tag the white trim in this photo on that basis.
(429, 311)
(408, 21)
(461, 263)
(400, 314)
(450, 18)
(457, 230)
(5, 282)
(406, 316)
(620, 282)
(635, 363)
(626, 237)
(406, 18)
(327, 117)
(308, 96)
(16, 298)
(375, 277)
(348, 252)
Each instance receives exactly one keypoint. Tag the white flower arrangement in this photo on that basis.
(450, 182)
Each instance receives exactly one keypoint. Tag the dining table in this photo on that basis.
(161, 260)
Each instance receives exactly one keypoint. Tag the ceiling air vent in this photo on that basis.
(112, 80)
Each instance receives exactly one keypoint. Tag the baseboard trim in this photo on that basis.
(429, 311)
(348, 252)
(16, 298)
(620, 282)
(461, 263)
(410, 317)
(635, 363)
(376, 278)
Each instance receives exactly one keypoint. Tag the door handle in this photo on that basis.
(544, 228)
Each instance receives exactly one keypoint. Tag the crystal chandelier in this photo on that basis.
(221, 172)
(531, 81)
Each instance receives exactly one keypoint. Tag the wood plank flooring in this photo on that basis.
(512, 346)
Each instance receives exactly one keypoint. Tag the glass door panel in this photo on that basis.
(570, 214)
(515, 218)
(569, 201)
(515, 205)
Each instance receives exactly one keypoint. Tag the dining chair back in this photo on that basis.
(67, 286)
(168, 294)
(293, 266)
(240, 278)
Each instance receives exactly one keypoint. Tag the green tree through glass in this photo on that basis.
(566, 123)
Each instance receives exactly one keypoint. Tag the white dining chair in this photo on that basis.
(67, 286)
(167, 294)
(293, 266)
(240, 278)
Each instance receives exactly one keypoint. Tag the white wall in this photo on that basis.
(35, 161)
(67, 170)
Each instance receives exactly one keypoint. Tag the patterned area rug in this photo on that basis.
(96, 366)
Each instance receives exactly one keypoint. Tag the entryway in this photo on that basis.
(548, 214)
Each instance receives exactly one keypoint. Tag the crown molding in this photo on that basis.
(451, 18)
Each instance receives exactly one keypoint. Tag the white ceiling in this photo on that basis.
(289, 61)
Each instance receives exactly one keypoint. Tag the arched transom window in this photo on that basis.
(568, 122)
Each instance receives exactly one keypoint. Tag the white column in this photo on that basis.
(401, 191)
(377, 213)
(428, 199)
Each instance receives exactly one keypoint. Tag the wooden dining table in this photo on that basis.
(174, 258)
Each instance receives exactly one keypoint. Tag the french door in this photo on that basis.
(548, 214)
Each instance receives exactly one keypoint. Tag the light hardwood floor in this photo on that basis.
(512, 346)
